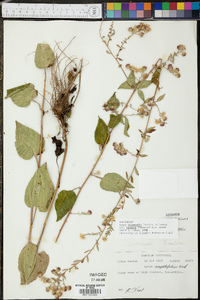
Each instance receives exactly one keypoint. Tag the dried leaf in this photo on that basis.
(44, 56)
(114, 120)
(22, 95)
(143, 84)
(155, 76)
(101, 132)
(40, 190)
(64, 203)
(143, 155)
(141, 95)
(126, 126)
(136, 171)
(131, 178)
(27, 262)
(42, 262)
(151, 129)
(113, 102)
(113, 182)
(160, 98)
(131, 79)
(27, 141)
(125, 85)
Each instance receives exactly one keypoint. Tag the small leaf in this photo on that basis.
(113, 102)
(114, 120)
(113, 182)
(27, 262)
(131, 179)
(136, 171)
(144, 84)
(42, 262)
(151, 129)
(27, 141)
(125, 85)
(131, 79)
(126, 126)
(160, 98)
(141, 95)
(64, 203)
(40, 190)
(155, 76)
(143, 155)
(101, 132)
(22, 95)
(44, 56)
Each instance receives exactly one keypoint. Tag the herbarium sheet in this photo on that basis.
(100, 159)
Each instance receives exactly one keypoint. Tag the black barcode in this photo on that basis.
(89, 291)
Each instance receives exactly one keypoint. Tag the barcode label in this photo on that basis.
(87, 290)
(90, 291)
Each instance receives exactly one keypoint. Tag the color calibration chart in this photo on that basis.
(157, 10)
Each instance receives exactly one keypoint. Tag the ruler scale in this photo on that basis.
(60, 11)
(105, 11)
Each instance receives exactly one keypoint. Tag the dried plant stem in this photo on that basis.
(32, 218)
(56, 189)
(42, 115)
(101, 153)
(122, 195)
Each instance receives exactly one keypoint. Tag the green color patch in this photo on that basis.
(40, 190)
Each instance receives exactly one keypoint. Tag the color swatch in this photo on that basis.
(176, 10)
(128, 10)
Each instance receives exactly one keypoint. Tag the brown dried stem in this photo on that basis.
(56, 189)
(119, 204)
(101, 153)
(32, 217)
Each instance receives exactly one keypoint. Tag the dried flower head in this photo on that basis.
(133, 68)
(119, 148)
(140, 29)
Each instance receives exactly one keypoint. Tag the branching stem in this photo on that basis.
(102, 151)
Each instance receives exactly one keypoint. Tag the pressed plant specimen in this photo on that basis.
(137, 80)
(64, 74)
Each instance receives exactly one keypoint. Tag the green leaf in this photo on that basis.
(113, 102)
(160, 98)
(125, 85)
(22, 95)
(64, 203)
(44, 56)
(40, 190)
(101, 132)
(27, 141)
(27, 262)
(113, 182)
(144, 84)
(141, 95)
(131, 79)
(114, 120)
(126, 126)
(42, 262)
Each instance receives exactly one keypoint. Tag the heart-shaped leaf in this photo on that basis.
(113, 182)
(22, 95)
(42, 262)
(40, 190)
(44, 56)
(64, 203)
(27, 262)
(27, 141)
